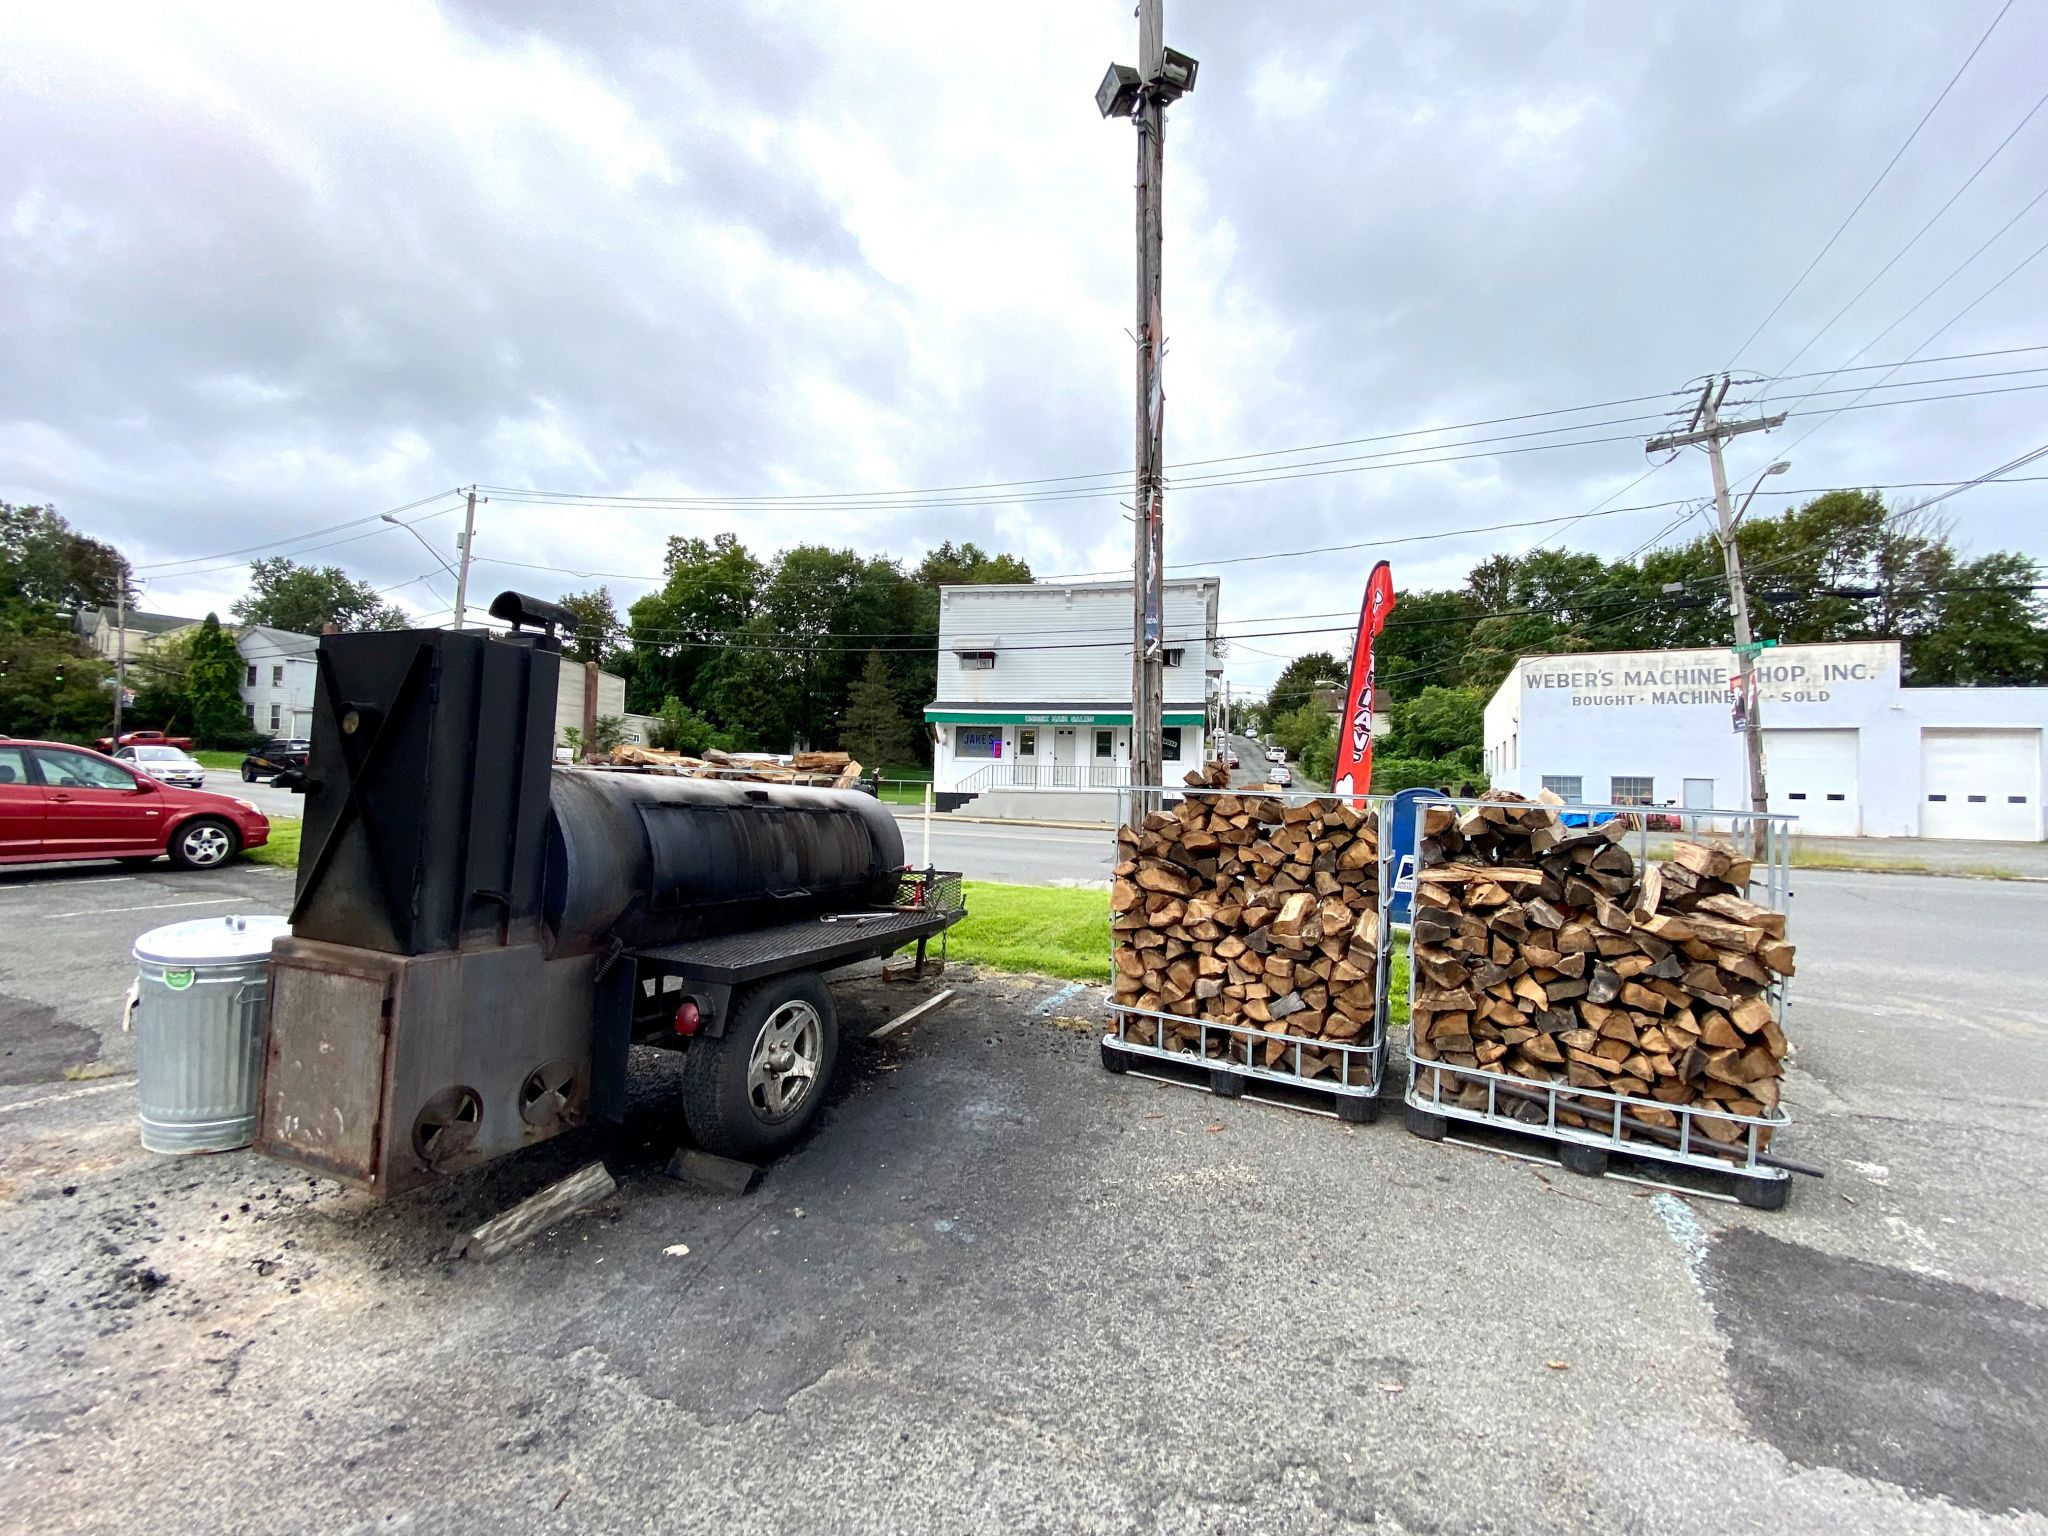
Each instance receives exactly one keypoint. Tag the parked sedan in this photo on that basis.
(1280, 774)
(60, 802)
(285, 754)
(167, 765)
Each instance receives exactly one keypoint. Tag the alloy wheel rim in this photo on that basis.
(782, 1068)
(206, 845)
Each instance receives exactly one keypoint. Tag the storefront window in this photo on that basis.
(1169, 744)
(977, 741)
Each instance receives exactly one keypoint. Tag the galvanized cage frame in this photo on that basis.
(1368, 1054)
(1635, 1138)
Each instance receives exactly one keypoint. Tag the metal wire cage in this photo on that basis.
(1347, 1070)
(930, 890)
(1589, 1119)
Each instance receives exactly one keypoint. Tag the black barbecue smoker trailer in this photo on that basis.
(479, 938)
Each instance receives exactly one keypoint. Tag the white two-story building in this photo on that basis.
(1034, 693)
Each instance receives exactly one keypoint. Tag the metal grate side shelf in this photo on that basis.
(931, 890)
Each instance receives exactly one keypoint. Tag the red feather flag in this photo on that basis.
(1354, 731)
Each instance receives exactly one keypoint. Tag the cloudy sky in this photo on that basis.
(266, 270)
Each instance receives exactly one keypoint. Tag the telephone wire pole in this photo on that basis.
(1162, 76)
(1710, 432)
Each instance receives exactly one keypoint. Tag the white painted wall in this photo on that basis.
(1062, 672)
(279, 700)
(1665, 715)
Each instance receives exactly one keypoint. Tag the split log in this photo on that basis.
(1556, 960)
(1237, 908)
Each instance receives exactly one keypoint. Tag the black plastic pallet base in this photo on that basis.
(1308, 1096)
(1763, 1192)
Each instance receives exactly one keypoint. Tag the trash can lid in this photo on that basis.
(211, 940)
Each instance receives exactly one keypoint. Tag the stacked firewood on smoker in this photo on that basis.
(1539, 953)
(1242, 909)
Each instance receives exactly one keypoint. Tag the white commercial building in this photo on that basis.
(1034, 689)
(1847, 749)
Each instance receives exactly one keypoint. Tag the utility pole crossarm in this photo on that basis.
(1718, 432)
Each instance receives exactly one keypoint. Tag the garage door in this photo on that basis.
(1812, 775)
(1980, 784)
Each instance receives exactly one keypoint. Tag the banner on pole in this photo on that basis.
(1353, 772)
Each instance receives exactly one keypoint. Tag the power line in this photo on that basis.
(1897, 155)
(1828, 415)
(354, 522)
(1899, 255)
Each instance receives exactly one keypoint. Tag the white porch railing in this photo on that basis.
(1047, 776)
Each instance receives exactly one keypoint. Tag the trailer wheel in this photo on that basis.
(753, 1091)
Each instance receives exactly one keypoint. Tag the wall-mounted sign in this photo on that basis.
(1653, 679)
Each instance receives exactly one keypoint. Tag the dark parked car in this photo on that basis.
(286, 754)
(59, 802)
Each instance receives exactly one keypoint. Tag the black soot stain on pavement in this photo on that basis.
(36, 1046)
(1937, 1387)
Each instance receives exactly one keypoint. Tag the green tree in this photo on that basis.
(679, 728)
(1438, 722)
(51, 685)
(161, 678)
(44, 561)
(599, 632)
(1296, 682)
(305, 598)
(608, 732)
(1295, 731)
(875, 731)
(710, 592)
(213, 687)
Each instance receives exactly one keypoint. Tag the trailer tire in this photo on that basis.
(752, 1092)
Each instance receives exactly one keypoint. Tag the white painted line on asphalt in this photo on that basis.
(60, 1098)
(160, 906)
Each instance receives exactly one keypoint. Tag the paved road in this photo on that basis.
(267, 797)
(1019, 855)
(1000, 1289)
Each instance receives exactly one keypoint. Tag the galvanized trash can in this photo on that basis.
(200, 991)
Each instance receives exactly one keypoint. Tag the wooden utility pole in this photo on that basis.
(120, 650)
(462, 573)
(1142, 94)
(1709, 431)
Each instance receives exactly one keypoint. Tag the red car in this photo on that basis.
(59, 802)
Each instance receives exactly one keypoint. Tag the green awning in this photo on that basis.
(941, 715)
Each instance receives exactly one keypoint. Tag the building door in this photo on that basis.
(1812, 775)
(1699, 796)
(1981, 784)
(1065, 751)
(1025, 770)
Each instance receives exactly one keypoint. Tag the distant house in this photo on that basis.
(278, 671)
(103, 630)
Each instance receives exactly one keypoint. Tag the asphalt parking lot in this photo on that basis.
(1002, 1289)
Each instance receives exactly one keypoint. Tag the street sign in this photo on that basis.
(1753, 647)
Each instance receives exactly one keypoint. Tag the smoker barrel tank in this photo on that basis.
(464, 975)
(651, 860)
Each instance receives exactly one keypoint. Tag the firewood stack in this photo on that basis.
(1240, 908)
(1538, 952)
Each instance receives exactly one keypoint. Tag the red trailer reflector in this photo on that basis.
(687, 1017)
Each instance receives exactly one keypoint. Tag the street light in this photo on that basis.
(1776, 469)
(408, 527)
